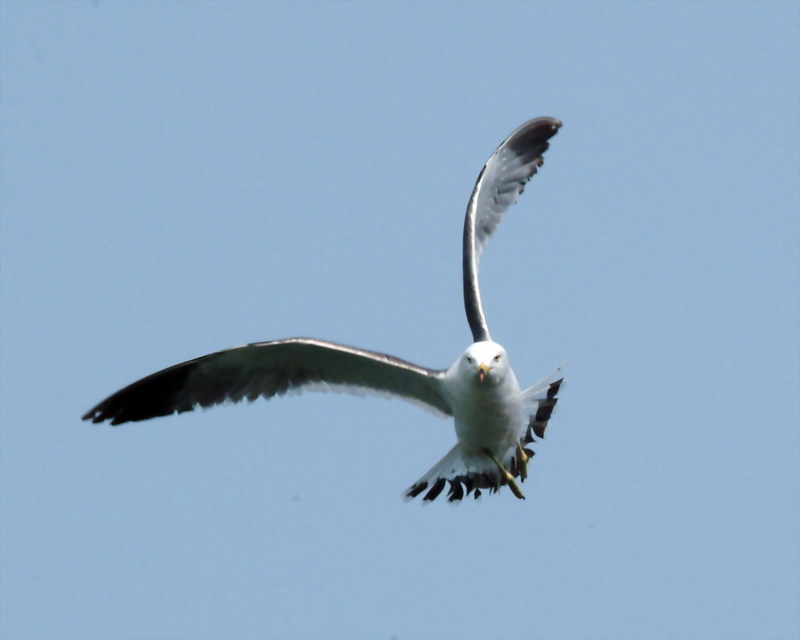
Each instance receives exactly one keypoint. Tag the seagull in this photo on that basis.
(494, 419)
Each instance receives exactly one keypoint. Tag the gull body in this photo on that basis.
(495, 420)
(488, 398)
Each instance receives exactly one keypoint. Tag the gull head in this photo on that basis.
(485, 363)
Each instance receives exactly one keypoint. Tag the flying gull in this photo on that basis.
(495, 420)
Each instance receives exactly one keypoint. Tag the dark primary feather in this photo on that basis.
(537, 423)
(267, 369)
(501, 180)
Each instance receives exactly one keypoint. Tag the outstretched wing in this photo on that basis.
(500, 182)
(266, 369)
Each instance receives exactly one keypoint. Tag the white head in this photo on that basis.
(484, 362)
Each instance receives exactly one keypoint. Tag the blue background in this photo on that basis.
(179, 178)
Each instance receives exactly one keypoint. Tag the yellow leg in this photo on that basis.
(522, 463)
(509, 478)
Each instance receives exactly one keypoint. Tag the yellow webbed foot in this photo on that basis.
(512, 484)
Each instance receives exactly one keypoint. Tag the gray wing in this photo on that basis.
(266, 369)
(502, 179)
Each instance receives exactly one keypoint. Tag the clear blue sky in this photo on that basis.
(180, 178)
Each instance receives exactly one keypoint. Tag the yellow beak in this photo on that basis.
(484, 371)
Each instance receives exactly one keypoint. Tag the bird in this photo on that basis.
(495, 420)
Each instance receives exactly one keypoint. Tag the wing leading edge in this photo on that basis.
(267, 369)
(499, 183)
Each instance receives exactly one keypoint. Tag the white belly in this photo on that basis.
(490, 418)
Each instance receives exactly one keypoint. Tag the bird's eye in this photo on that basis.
(469, 360)
(497, 358)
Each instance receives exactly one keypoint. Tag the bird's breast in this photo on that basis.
(489, 418)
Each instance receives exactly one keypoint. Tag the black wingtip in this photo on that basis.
(534, 132)
(538, 423)
(414, 491)
(435, 490)
(151, 397)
